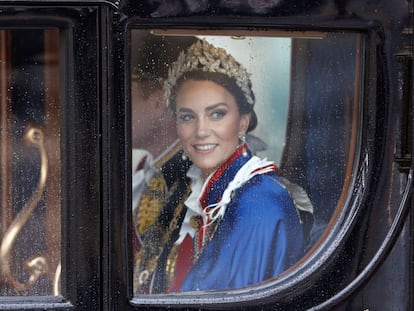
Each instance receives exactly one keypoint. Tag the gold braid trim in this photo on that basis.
(151, 203)
(154, 197)
(153, 235)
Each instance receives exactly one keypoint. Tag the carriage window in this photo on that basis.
(242, 151)
(30, 228)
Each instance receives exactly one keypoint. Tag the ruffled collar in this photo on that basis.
(209, 198)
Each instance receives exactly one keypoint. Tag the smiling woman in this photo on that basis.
(236, 224)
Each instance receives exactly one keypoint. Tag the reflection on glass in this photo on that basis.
(30, 162)
(222, 199)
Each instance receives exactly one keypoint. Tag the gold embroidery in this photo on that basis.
(195, 222)
(171, 263)
(154, 236)
(211, 231)
(151, 203)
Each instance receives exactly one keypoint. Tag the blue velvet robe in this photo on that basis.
(259, 237)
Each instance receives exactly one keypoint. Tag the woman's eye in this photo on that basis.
(218, 114)
(185, 117)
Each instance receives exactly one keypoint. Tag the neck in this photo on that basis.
(239, 151)
(206, 173)
(222, 167)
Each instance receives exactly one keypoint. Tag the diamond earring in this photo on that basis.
(242, 138)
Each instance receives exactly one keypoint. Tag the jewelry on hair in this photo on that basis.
(242, 137)
(203, 56)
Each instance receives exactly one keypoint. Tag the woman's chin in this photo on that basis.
(206, 168)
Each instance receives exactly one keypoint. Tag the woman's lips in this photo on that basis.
(204, 147)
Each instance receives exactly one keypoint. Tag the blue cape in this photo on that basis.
(259, 237)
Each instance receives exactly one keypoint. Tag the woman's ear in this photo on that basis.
(244, 122)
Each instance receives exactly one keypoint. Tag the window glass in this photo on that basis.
(30, 228)
(219, 202)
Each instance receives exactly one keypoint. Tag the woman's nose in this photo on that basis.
(203, 129)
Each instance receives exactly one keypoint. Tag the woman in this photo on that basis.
(238, 225)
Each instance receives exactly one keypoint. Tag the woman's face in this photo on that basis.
(208, 123)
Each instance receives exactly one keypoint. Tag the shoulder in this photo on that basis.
(264, 194)
(265, 186)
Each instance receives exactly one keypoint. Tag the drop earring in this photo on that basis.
(242, 138)
(184, 157)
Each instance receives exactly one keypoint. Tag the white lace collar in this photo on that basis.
(215, 211)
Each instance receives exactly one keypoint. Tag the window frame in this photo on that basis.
(315, 267)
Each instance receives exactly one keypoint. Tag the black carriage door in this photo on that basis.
(68, 72)
(50, 229)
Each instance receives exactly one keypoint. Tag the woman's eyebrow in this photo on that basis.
(184, 109)
(208, 108)
(212, 107)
